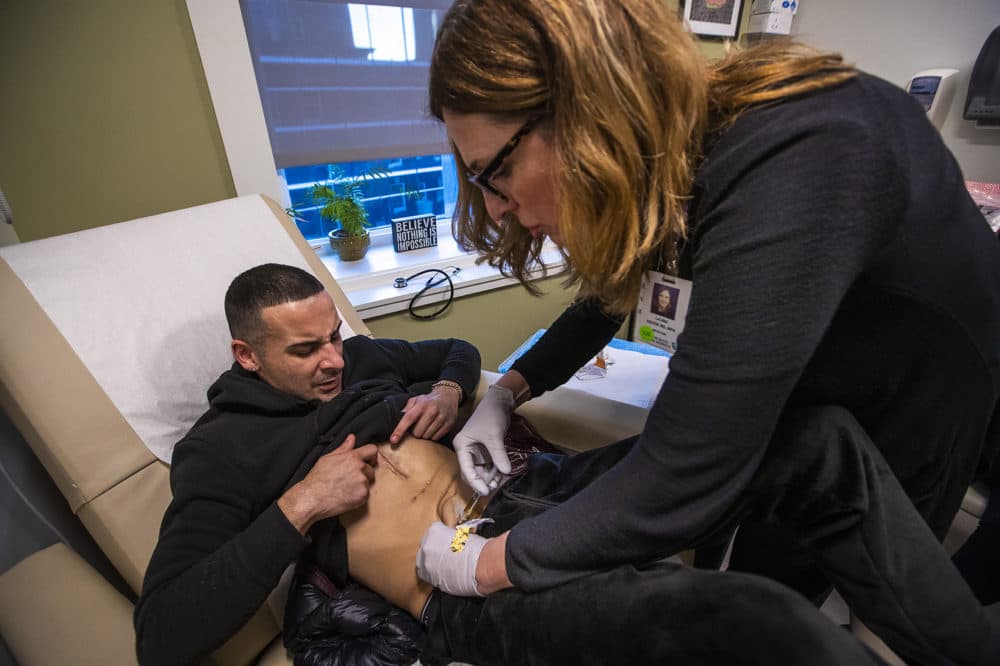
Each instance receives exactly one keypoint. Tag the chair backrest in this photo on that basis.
(108, 341)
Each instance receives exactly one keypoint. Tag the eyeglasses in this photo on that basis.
(482, 179)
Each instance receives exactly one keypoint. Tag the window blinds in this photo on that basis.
(343, 82)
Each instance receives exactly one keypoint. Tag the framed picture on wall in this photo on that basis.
(715, 18)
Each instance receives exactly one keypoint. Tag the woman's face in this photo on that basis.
(663, 300)
(525, 178)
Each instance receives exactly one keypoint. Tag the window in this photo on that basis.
(341, 82)
(222, 37)
(345, 84)
(412, 186)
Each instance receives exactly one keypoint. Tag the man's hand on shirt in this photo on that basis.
(429, 416)
(337, 483)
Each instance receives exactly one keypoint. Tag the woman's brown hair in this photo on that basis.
(627, 97)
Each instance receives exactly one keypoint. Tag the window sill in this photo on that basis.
(368, 282)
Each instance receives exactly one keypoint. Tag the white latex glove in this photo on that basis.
(439, 565)
(479, 445)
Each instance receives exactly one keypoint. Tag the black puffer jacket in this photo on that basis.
(348, 626)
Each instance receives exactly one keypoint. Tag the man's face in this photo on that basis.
(303, 353)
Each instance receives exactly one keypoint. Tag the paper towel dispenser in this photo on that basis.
(983, 101)
(934, 89)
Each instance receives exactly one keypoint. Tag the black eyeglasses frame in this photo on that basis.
(482, 179)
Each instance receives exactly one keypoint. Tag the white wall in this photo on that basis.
(894, 39)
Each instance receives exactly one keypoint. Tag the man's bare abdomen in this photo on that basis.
(416, 483)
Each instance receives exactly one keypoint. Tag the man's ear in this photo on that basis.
(245, 356)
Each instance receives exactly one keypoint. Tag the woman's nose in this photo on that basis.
(497, 206)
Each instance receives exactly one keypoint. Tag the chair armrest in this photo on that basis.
(576, 420)
(56, 609)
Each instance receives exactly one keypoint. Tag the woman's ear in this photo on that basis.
(245, 356)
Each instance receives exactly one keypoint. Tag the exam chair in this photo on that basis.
(109, 339)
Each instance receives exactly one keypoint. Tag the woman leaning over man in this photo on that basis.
(835, 387)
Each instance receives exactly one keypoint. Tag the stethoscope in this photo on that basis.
(432, 282)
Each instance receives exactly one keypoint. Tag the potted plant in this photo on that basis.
(340, 201)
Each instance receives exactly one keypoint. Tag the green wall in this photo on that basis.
(106, 114)
(106, 117)
(496, 321)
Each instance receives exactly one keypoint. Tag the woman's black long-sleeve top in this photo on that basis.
(836, 258)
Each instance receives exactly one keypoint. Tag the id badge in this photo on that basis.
(662, 309)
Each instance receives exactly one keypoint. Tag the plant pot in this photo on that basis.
(349, 248)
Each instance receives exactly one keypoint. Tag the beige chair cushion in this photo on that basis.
(73, 427)
(125, 520)
(56, 609)
(91, 449)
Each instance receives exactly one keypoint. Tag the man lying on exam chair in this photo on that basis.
(249, 481)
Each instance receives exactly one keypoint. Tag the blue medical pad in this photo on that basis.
(615, 343)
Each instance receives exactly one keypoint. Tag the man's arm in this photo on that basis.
(337, 483)
(217, 558)
(448, 359)
(452, 365)
(219, 555)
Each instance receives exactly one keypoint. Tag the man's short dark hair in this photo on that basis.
(262, 287)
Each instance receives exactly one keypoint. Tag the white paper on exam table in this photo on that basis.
(632, 377)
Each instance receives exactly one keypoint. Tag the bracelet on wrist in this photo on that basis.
(447, 383)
